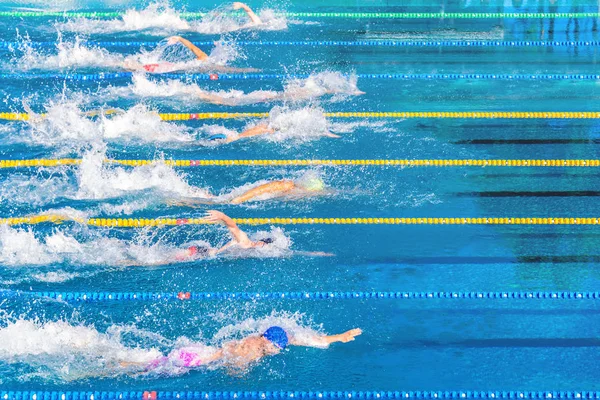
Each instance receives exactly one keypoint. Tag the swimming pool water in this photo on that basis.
(419, 344)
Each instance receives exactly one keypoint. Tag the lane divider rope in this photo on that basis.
(296, 295)
(106, 76)
(158, 222)
(356, 43)
(40, 162)
(367, 114)
(284, 394)
(355, 15)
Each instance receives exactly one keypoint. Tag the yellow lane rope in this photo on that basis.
(370, 114)
(143, 222)
(267, 163)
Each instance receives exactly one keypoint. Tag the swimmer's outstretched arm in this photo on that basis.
(200, 55)
(239, 236)
(325, 340)
(276, 188)
(253, 17)
(257, 130)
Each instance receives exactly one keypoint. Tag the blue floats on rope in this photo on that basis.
(243, 296)
(104, 76)
(254, 395)
(359, 43)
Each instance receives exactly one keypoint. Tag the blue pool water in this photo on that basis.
(433, 344)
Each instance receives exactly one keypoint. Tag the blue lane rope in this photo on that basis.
(256, 395)
(356, 43)
(104, 76)
(150, 296)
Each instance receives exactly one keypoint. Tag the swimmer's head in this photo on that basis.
(263, 242)
(312, 184)
(277, 336)
(196, 251)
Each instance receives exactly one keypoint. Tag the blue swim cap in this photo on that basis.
(277, 336)
(217, 136)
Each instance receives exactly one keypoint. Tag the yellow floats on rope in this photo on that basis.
(142, 222)
(370, 114)
(269, 163)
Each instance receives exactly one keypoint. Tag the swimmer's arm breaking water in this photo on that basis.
(253, 17)
(239, 236)
(200, 55)
(277, 188)
(260, 129)
(326, 340)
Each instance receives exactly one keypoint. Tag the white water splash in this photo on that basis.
(161, 19)
(22, 247)
(66, 125)
(96, 180)
(69, 55)
(59, 350)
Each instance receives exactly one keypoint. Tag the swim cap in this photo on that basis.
(277, 336)
(193, 250)
(313, 184)
(217, 136)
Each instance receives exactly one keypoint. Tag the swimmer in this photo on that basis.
(258, 130)
(238, 354)
(162, 67)
(240, 240)
(270, 190)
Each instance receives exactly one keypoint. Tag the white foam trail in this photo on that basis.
(316, 85)
(69, 55)
(219, 22)
(95, 180)
(161, 19)
(65, 124)
(320, 84)
(348, 127)
(98, 181)
(55, 276)
(59, 350)
(157, 17)
(21, 247)
(141, 86)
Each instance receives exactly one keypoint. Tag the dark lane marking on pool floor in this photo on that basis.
(570, 193)
(531, 259)
(528, 141)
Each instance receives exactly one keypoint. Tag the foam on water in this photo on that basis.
(94, 179)
(320, 84)
(66, 125)
(316, 85)
(69, 55)
(97, 181)
(141, 86)
(22, 247)
(161, 19)
(63, 351)
(158, 18)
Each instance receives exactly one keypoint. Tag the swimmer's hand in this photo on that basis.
(349, 336)
(238, 5)
(214, 216)
(174, 40)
